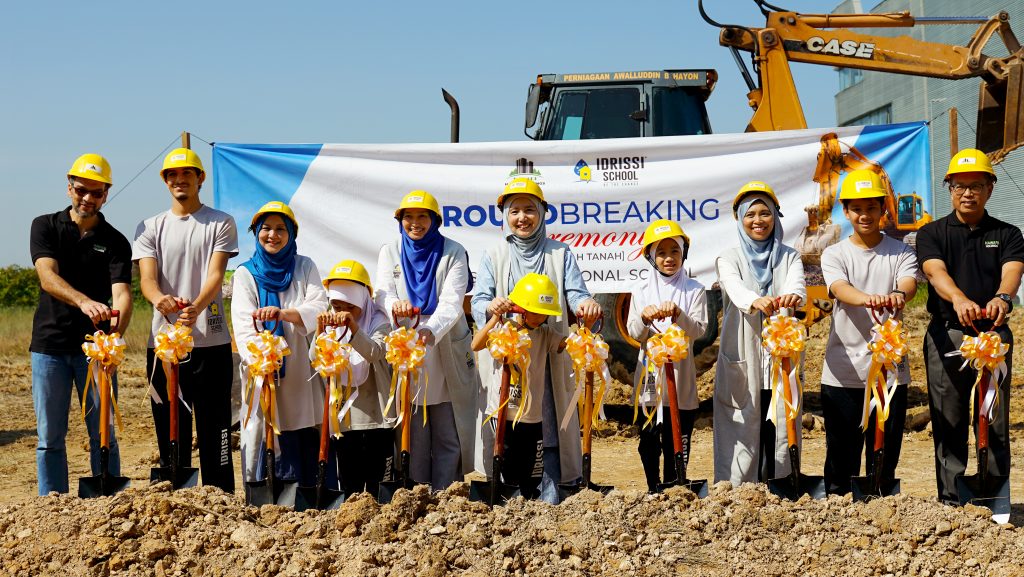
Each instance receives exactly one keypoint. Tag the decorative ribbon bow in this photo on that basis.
(105, 353)
(985, 352)
(670, 346)
(783, 338)
(263, 356)
(172, 343)
(405, 354)
(511, 345)
(888, 347)
(332, 360)
(589, 354)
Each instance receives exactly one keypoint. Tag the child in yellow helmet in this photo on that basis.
(537, 297)
(668, 296)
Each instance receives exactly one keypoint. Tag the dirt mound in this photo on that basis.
(205, 532)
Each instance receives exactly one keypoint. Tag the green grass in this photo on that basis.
(920, 298)
(16, 330)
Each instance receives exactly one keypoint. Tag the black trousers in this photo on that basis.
(364, 459)
(949, 390)
(845, 442)
(766, 454)
(524, 457)
(656, 444)
(205, 382)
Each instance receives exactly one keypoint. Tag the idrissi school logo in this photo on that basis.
(582, 170)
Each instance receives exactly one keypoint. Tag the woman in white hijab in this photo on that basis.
(525, 249)
(759, 277)
(668, 296)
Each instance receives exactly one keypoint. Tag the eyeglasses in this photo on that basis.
(95, 192)
(960, 189)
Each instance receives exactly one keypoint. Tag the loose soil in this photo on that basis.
(149, 530)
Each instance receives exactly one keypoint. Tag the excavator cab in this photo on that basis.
(910, 214)
(619, 104)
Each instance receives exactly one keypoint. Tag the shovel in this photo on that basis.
(866, 488)
(319, 496)
(982, 488)
(104, 484)
(496, 491)
(699, 487)
(386, 489)
(796, 484)
(180, 477)
(270, 491)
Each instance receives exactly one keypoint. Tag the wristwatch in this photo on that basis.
(1006, 299)
(903, 294)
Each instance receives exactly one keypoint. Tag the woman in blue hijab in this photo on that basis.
(426, 272)
(281, 290)
(759, 277)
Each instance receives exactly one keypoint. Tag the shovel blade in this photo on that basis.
(183, 478)
(278, 492)
(566, 491)
(806, 485)
(481, 491)
(864, 488)
(319, 498)
(387, 489)
(993, 492)
(699, 487)
(102, 485)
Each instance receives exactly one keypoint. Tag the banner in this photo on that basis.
(601, 193)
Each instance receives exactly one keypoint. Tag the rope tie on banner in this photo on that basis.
(405, 353)
(263, 356)
(332, 360)
(888, 346)
(172, 344)
(670, 346)
(105, 353)
(783, 338)
(589, 354)
(510, 344)
(985, 352)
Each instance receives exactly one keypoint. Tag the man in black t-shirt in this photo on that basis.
(973, 263)
(83, 263)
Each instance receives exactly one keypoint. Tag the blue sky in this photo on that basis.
(123, 79)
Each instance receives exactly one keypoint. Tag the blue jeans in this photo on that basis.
(52, 378)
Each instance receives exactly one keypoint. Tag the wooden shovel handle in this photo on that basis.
(792, 438)
(588, 412)
(499, 428)
(983, 385)
(673, 407)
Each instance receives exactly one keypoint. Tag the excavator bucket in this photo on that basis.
(1001, 114)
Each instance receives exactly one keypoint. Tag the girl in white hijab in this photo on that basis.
(668, 296)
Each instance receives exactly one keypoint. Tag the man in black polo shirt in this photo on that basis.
(82, 263)
(973, 263)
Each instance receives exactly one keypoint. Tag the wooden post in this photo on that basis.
(186, 140)
(954, 141)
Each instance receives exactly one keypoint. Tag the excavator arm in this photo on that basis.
(826, 39)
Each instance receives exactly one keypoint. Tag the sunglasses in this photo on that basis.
(95, 192)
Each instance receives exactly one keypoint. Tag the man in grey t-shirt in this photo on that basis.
(867, 272)
(182, 255)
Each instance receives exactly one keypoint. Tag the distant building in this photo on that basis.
(866, 97)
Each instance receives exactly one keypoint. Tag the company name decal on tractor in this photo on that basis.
(845, 48)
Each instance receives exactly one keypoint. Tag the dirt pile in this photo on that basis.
(207, 533)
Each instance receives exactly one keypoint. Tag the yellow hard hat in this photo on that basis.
(661, 229)
(970, 160)
(275, 207)
(536, 294)
(418, 199)
(92, 167)
(349, 270)
(521, 185)
(754, 187)
(182, 158)
(862, 184)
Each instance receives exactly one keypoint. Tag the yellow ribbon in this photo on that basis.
(985, 352)
(888, 346)
(172, 343)
(589, 354)
(783, 338)
(405, 354)
(263, 356)
(105, 353)
(331, 359)
(672, 345)
(511, 345)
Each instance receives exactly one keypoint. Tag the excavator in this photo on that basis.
(670, 102)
